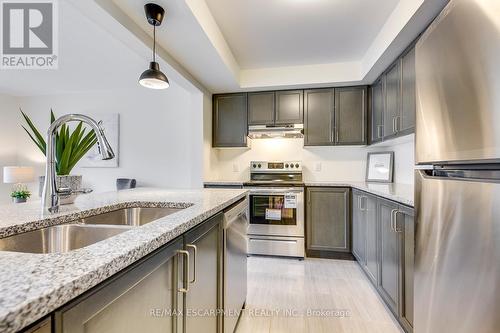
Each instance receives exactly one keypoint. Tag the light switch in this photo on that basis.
(317, 166)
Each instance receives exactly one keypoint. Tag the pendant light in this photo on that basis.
(153, 78)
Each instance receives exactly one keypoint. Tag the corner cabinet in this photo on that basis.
(229, 124)
(335, 116)
(328, 221)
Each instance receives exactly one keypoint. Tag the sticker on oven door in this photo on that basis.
(290, 200)
(273, 214)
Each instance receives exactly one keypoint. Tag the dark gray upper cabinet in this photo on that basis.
(350, 116)
(230, 127)
(408, 93)
(377, 110)
(289, 107)
(327, 221)
(407, 226)
(318, 117)
(390, 255)
(261, 108)
(392, 100)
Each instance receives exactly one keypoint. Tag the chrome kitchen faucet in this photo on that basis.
(50, 196)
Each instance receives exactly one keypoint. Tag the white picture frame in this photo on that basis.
(379, 167)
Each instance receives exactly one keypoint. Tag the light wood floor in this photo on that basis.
(276, 284)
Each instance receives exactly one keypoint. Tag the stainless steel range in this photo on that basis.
(276, 209)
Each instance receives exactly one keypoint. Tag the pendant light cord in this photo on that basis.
(154, 43)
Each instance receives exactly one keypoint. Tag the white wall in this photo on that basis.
(160, 135)
(9, 134)
(336, 163)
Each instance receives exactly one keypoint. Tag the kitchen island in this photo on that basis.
(34, 285)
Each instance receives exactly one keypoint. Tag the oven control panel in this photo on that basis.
(262, 166)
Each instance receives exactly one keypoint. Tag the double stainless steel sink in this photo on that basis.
(83, 232)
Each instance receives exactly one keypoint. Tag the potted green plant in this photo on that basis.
(20, 194)
(71, 145)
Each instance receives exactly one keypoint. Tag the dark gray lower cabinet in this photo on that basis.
(390, 255)
(135, 300)
(405, 222)
(175, 289)
(327, 220)
(230, 127)
(383, 245)
(365, 232)
(203, 246)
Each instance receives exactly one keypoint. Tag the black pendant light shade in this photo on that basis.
(152, 77)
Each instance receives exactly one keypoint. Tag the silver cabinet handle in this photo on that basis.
(393, 124)
(336, 135)
(393, 220)
(396, 221)
(361, 203)
(380, 131)
(397, 123)
(185, 288)
(195, 251)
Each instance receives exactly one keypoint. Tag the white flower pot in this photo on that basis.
(70, 181)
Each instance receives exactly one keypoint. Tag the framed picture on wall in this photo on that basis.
(379, 167)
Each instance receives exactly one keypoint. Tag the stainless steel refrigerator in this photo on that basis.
(457, 254)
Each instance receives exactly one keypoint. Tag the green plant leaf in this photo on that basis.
(37, 135)
(42, 148)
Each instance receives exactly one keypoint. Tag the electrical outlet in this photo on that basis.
(236, 168)
(317, 167)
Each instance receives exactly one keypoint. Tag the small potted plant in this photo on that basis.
(71, 145)
(20, 194)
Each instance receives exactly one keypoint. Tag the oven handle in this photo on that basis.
(275, 191)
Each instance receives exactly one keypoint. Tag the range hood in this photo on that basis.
(276, 131)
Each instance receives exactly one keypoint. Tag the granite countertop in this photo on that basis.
(224, 183)
(402, 193)
(34, 285)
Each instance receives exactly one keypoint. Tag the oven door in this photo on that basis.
(277, 211)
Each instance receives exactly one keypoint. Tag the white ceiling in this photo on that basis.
(263, 33)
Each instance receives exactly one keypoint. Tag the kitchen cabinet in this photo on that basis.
(204, 247)
(392, 100)
(261, 108)
(406, 225)
(408, 93)
(318, 117)
(328, 220)
(45, 326)
(350, 116)
(143, 298)
(230, 126)
(390, 255)
(289, 107)
(365, 233)
(377, 110)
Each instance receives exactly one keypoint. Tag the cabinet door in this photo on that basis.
(389, 255)
(377, 111)
(318, 117)
(369, 204)
(408, 93)
(144, 298)
(261, 108)
(230, 120)
(327, 225)
(290, 107)
(407, 226)
(204, 246)
(358, 228)
(392, 99)
(350, 116)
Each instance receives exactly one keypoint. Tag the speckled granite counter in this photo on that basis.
(34, 285)
(402, 193)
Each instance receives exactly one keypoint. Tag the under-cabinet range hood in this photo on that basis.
(276, 131)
